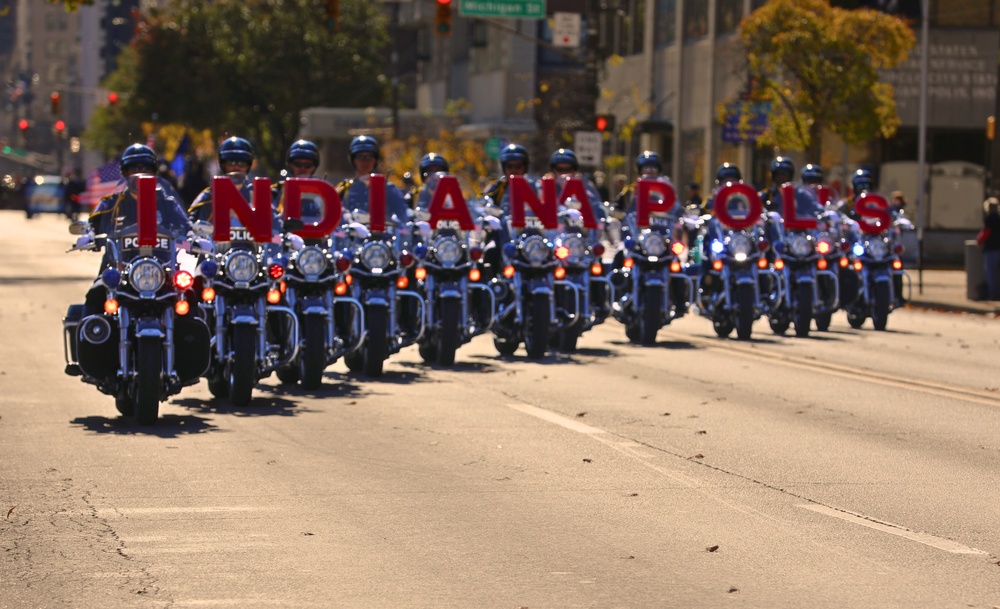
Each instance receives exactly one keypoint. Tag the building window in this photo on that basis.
(695, 19)
(965, 13)
(693, 158)
(665, 23)
(727, 16)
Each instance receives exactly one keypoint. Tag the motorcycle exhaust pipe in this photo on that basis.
(95, 329)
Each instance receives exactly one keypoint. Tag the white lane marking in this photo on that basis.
(893, 529)
(630, 448)
(125, 511)
(558, 419)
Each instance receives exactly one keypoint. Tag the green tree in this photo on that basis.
(245, 68)
(818, 66)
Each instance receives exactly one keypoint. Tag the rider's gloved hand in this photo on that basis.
(86, 242)
(295, 242)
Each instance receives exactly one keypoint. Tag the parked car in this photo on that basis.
(45, 194)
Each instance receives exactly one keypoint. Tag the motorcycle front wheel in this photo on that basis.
(803, 309)
(536, 338)
(449, 333)
(376, 347)
(148, 369)
(243, 367)
(880, 308)
(745, 302)
(313, 355)
(649, 318)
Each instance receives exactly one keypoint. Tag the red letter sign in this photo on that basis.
(332, 207)
(873, 209)
(722, 209)
(448, 190)
(643, 206)
(146, 210)
(791, 220)
(521, 193)
(574, 188)
(256, 218)
(376, 202)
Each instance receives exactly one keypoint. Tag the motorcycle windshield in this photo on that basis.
(126, 243)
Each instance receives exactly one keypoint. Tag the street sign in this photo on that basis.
(745, 121)
(511, 9)
(494, 145)
(566, 32)
(588, 146)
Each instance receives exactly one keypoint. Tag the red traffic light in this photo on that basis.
(54, 98)
(604, 122)
(112, 98)
(444, 2)
(23, 124)
(442, 19)
(60, 125)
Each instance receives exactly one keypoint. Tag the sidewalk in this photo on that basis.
(945, 290)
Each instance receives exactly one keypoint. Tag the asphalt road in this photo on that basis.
(850, 469)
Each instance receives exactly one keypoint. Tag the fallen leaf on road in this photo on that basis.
(588, 460)
(308, 534)
(731, 590)
(633, 494)
(698, 456)
(627, 557)
(702, 432)
(712, 548)
(10, 511)
(353, 402)
(665, 414)
(993, 389)
(581, 414)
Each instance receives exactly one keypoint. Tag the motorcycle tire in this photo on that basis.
(823, 321)
(506, 348)
(880, 308)
(449, 335)
(288, 375)
(218, 385)
(745, 303)
(148, 377)
(376, 347)
(568, 338)
(125, 403)
(536, 336)
(723, 325)
(428, 351)
(779, 321)
(243, 366)
(856, 319)
(313, 356)
(803, 309)
(650, 316)
(355, 360)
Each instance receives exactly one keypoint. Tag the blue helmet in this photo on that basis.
(365, 143)
(138, 154)
(812, 174)
(783, 164)
(432, 162)
(649, 158)
(514, 152)
(728, 172)
(564, 156)
(862, 181)
(235, 149)
(303, 149)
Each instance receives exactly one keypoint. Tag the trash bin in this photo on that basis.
(975, 281)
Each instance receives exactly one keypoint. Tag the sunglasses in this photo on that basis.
(365, 156)
(235, 164)
(514, 165)
(303, 164)
(134, 169)
(563, 168)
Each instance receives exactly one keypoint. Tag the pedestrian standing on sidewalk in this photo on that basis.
(990, 242)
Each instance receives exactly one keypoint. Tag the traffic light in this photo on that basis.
(332, 13)
(60, 126)
(442, 20)
(604, 122)
(112, 98)
(23, 125)
(55, 98)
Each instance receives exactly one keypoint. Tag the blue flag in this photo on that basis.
(177, 165)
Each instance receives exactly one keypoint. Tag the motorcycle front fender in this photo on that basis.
(147, 327)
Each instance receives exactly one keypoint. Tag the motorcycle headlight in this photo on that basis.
(653, 244)
(146, 275)
(878, 248)
(376, 255)
(311, 261)
(241, 266)
(448, 251)
(800, 246)
(575, 245)
(536, 250)
(740, 245)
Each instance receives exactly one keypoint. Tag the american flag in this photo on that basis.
(101, 182)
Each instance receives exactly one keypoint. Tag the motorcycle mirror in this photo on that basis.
(292, 224)
(202, 228)
(79, 227)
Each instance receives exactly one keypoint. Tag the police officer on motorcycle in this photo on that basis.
(782, 171)
(365, 155)
(120, 210)
(513, 162)
(648, 165)
(431, 163)
(302, 161)
(236, 156)
(564, 164)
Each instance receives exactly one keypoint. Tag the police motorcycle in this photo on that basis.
(526, 286)
(655, 287)
(876, 249)
(448, 246)
(148, 342)
(254, 333)
(805, 246)
(316, 285)
(378, 249)
(730, 289)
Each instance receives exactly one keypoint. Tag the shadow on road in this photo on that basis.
(260, 405)
(168, 426)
